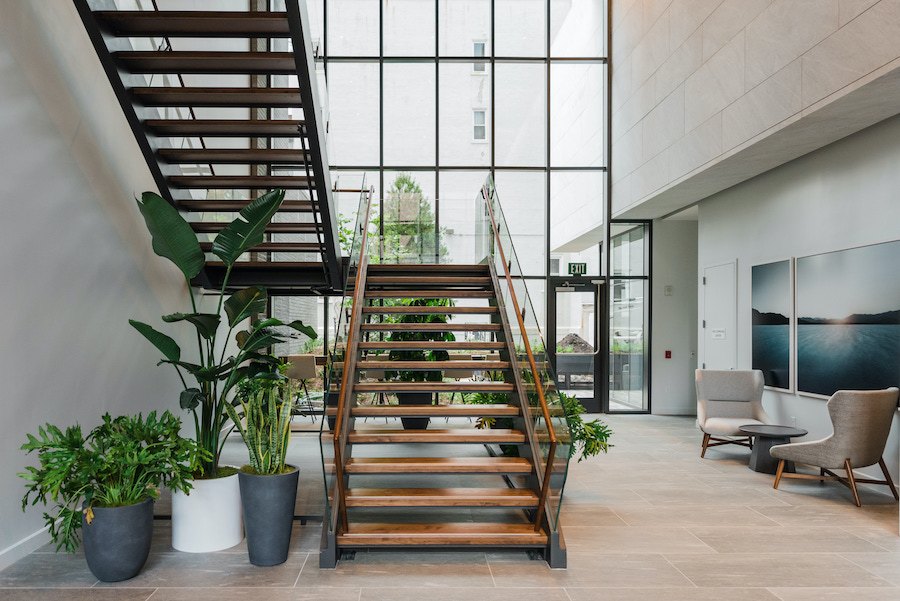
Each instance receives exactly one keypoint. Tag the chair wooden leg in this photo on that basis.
(705, 444)
(822, 473)
(887, 478)
(852, 479)
(778, 472)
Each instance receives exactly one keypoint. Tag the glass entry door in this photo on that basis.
(573, 333)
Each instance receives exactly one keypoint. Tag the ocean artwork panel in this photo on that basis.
(771, 303)
(848, 319)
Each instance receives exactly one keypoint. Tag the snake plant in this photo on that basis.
(264, 422)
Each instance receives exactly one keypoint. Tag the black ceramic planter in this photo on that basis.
(117, 541)
(268, 515)
(414, 398)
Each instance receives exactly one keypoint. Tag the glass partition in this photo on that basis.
(335, 360)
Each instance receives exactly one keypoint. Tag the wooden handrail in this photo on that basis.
(551, 454)
(349, 359)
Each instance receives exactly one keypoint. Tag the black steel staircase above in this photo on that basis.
(224, 107)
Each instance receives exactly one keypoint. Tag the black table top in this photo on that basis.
(773, 431)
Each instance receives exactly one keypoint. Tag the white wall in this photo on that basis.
(674, 325)
(708, 93)
(75, 258)
(841, 196)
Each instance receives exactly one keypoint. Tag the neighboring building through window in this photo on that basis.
(479, 134)
(478, 52)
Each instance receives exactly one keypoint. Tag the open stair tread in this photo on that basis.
(195, 24)
(430, 327)
(439, 465)
(430, 293)
(452, 435)
(431, 310)
(486, 386)
(441, 497)
(206, 62)
(492, 410)
(224, 128)
(430, 365)
(430, 280)
(442, 534)
(431, 345)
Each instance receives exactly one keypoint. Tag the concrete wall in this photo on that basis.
(674, 317)
(842, 196)
(76, 258)
(708, 93)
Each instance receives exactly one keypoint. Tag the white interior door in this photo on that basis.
(719, 318)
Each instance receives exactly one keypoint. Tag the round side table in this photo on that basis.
(765, 437)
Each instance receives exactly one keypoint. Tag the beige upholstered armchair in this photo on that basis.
(861, 420)
(727, 400)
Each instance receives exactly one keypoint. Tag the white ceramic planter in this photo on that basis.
(208, 519)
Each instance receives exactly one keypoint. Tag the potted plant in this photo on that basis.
(586, 439)
(418, 398)
(103, 486)
(268, 484)
(210, 518)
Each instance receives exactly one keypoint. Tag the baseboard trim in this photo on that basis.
(24, 547)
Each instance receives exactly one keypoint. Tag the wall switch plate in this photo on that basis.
(668, 290)
(668, 354)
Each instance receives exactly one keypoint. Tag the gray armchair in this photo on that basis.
(861, 420)
(727, 400)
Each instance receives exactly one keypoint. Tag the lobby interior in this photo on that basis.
(638, 169)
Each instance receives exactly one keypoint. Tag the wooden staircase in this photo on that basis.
(449, 484)
(219, 128)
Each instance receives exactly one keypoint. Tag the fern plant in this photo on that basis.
(263, 420)
(121, 462)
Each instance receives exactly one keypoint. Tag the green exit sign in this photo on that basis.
(577, 268)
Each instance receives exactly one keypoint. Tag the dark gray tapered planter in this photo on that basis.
(268, 515)
(414, 398)
(117, 541)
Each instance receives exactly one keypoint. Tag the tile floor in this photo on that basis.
(649, 520)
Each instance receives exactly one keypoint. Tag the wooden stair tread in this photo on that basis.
(208, 227)
(440, 267)
(448, 280)
(431, 365)
(486, 386)
(194, 24)
(431, 327)
(459, 435)
(443, 534)
(430, 310)
(240, 182)
(282, 247)
(441, 497)
(232, 156)
(224, 128)
(211, 62)
(430, 293)
(218, 97)
(492, 410)
(430, 345)
(233, 206)
(439, 465)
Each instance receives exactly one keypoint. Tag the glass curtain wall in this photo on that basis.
(439, 93)
(629, 317)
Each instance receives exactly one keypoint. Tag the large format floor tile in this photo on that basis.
(650, 520)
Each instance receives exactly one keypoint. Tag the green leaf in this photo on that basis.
(247, 230)
(172, 236)
(206, 323)
(303, 328)
(245, 303)
(190, 398)
(168, 347)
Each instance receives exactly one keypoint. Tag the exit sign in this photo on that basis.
(577, 268)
